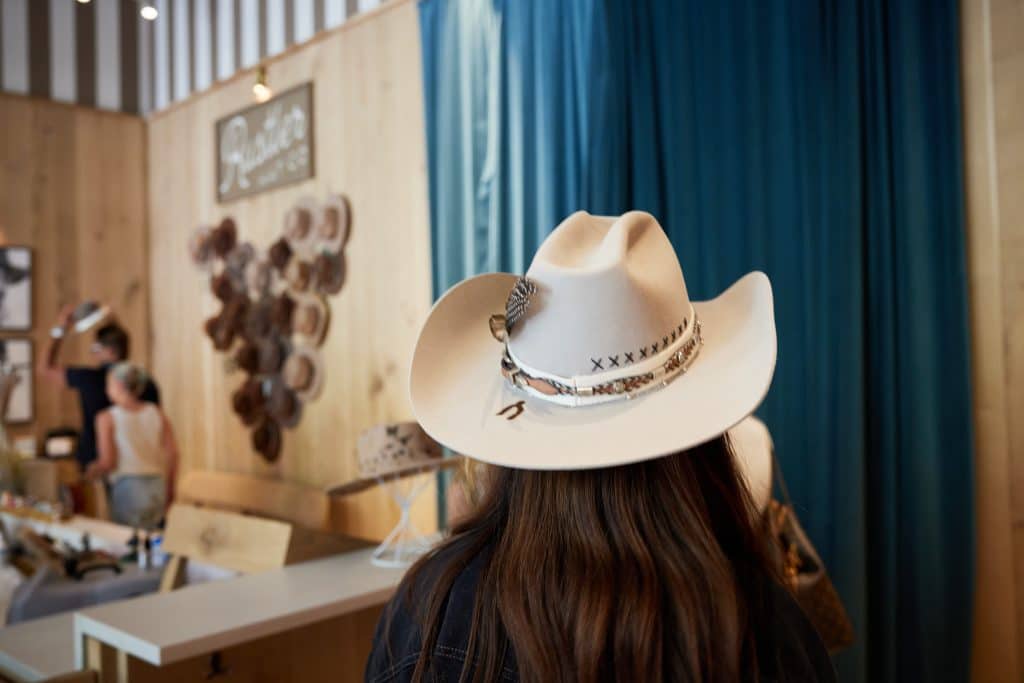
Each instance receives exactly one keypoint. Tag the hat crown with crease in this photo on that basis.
(616, 275)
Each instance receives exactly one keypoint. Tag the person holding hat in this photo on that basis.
(111, 346)
(615, 537)
(137, 451)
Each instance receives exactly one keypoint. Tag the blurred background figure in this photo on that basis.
(136, 449)
(112, 345)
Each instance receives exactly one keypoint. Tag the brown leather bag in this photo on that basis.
(804, 572)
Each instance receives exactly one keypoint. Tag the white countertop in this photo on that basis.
(195, 620)
(38, 649)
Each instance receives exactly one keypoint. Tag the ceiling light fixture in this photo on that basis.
(147, 11)
(83, 2)
(260, 89)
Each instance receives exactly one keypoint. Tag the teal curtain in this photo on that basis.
(817, 141)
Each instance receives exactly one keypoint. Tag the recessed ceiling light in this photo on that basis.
(147, 11)
(83, 2)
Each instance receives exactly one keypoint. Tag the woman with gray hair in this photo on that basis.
(137, 450)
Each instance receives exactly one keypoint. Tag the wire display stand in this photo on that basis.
(405, 544)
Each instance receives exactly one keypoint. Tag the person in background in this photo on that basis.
(137, 451)
(112, 345)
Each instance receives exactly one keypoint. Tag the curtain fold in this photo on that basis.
(817, 141)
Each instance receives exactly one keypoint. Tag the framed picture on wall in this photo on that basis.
(15, 289)
(16, 390)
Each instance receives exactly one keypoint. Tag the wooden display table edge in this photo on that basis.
(323, 610)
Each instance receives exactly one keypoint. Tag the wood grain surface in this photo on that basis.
(369, 139)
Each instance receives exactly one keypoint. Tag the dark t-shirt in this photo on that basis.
(91, 385)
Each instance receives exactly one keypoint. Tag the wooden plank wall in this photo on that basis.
(1008, 99)
(72, 187)
(369, 140)
(993, 87)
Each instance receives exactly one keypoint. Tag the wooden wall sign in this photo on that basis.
(266, 145)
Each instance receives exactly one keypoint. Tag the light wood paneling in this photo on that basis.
(72, 187)
(1008, 132)
(993, 87)
(369, 144)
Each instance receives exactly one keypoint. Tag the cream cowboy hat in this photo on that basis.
(597, 357)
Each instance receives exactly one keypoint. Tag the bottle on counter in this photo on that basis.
(145, 553)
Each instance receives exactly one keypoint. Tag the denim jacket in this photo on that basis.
(397, 645)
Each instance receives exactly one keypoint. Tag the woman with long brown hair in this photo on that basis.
(615, 539)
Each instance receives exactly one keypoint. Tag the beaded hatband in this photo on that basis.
(570, 392)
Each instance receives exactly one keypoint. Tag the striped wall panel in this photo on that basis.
(103, 54)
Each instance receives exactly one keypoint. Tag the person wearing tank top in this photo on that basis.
(137, 451)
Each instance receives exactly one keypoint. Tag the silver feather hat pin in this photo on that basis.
(516, 305)
(518, 301)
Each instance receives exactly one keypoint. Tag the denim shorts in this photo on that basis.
(138, 500)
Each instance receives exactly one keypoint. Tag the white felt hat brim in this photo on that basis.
(457, 390)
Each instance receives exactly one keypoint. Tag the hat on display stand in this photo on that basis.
(300, 227)
(200, 247)
(389, 455)
(235, 313)
(219, 333)
(303, 373)
(309, 320)
(332, 227)
(266, 439)
(282, 403)
(259, 320)
(282, 308)
(299, 275)
(328, 270)
(279, 255)
(258, 278)
(271, 354)
(247, 358)
(222, 287)
(236, 264)
(224, 237)
(248, 402)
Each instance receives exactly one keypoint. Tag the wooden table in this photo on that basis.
(305, 622)
(103, 535)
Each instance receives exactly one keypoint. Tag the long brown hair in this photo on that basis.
(645, 572)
